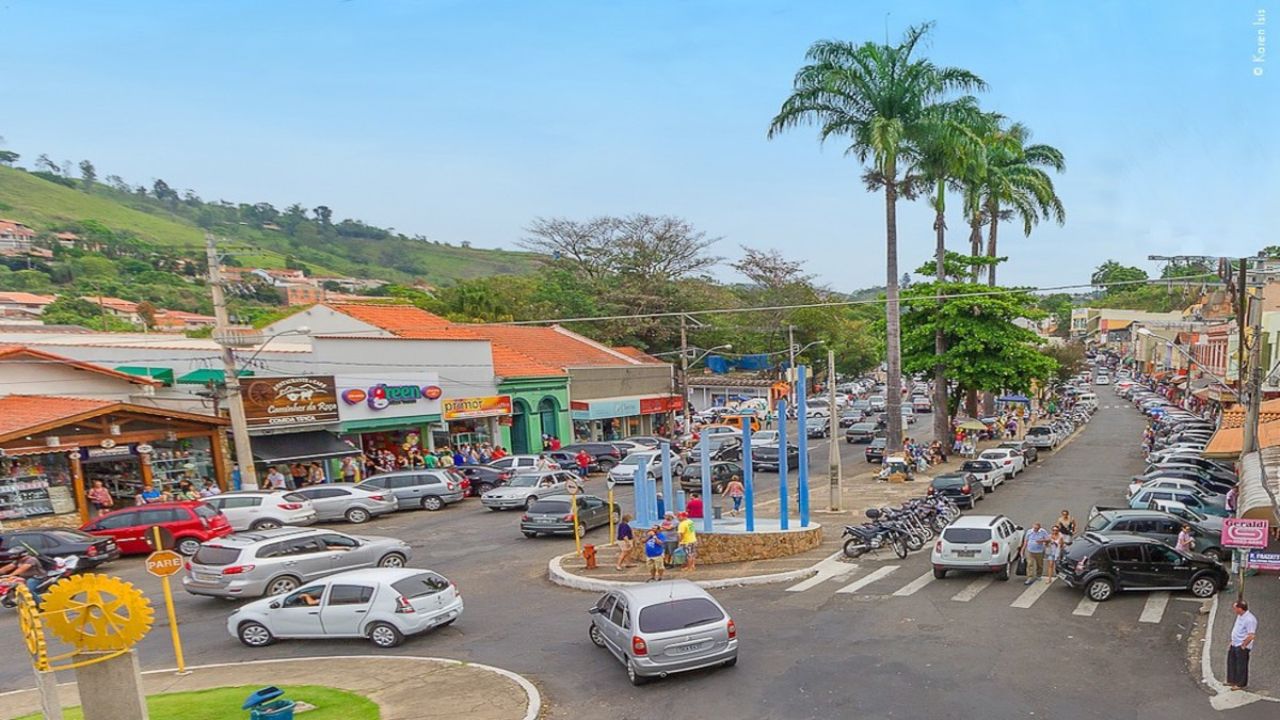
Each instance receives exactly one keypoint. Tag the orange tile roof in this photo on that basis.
(26, 298)
(19, 412)
(1229, 441)
(636, 353)
(18, 352)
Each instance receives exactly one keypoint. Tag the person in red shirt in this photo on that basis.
(497, 454)
(694, 506)
(584, 462)
(555, 443)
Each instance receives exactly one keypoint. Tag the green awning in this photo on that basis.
(164, 375)
(209, 376)
(375, 424)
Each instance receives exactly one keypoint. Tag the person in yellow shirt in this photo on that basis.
(688, 541)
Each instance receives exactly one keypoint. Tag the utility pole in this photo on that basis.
(1254, 408)
(833, 444)
(791, 364)
(235, 404)
(684, 372)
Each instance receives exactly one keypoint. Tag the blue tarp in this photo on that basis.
(747, 363)
(1014, 399)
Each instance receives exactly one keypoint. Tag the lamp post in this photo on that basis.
(686, 363)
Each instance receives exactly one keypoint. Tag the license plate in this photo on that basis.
(966, 553)
(686, 649)
(205, 578)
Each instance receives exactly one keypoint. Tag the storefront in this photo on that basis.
(381, 414)
(539, 408)
(472, 420)
(52, 449)
(291, 420)
(617, 418)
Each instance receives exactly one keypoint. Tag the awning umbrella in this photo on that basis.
(972, 425)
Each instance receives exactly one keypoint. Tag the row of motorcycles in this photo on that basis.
(52, 569)
(903, 529)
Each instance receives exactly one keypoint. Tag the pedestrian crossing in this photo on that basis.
(896, 581)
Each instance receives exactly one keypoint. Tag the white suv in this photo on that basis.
(1011, 461)
(978, 543)
(263, 509)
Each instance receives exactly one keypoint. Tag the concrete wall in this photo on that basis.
(608, 382)
(24, 377)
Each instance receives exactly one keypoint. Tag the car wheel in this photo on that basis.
(596, 638)
(606, 465)
(633, 676)
(432, 503)
(484, 488)
(265, 525)
(385, 635)
(357, 515)
(392, 560)
(254, 634)
(731, 661)
(282, 585)
(1003, 573)
(1203, 586)
(187, 546)
(528, 534)
(940, 573)
(582, 529)
(1100, 589)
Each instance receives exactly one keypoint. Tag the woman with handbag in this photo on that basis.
(1066, 526)
(100, 500)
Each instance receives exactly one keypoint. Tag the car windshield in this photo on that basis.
(976, 466)
(1040, 431)
(864, 427)
(636, 458)
(998, 454)
(550, 507)
(527, 480)
(1098, 522)
(215, 555)
(966, 535)
(71, 536)
(679, 614)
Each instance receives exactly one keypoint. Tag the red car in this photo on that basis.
(191, 522)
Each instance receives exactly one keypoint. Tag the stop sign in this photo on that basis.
(164, 563)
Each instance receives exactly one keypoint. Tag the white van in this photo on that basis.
(1088, 399)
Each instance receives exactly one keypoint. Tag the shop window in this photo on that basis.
(547, 412)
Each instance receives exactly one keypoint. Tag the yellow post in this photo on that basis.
(612, 533)
(577, 539)
(168, 606)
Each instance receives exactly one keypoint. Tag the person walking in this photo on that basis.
(348, 469)
(1034, 544)
(735, 491)
(688, 541)
(653, 552)
(1053, 553)
(584, 462)
(626, 540)
(1186, 541)
(670, 537)
(1243, 634)
(1067, 526)
(100, 500)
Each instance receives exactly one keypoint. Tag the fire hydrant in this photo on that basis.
(589, 554)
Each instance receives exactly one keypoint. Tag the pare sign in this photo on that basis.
(1244, 533)
(383, 396)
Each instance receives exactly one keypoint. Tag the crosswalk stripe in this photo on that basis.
(1031, 594)
(1153, 611)
(1085, 608)
(914, 586)
(824, 574)
(972, 589)
(862, 582)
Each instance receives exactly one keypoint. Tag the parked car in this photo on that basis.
(818, 427)
(263, 509)
(603, 455)
(383, 605)
(484, 478)
(1042, 437)
(1157, 525)
(516, 463)
(851, 417)
(1177, 509)
(1011, 461)
(553, 515)
(721, 472)
(963, 488)
(1030, 453)
(877, 403)
(190, 522)
(1205, 505)
(90, 550)
(273, 562)
(987, 472)
(766, 457)
(658, 629)
(922, 404)
(625, 471)
(347, 502)
(875, 451)
(978, 543)
(1103, 564)
(862, 432)
(648, 441)
(526, 487)
(765, 437)
(426, 489)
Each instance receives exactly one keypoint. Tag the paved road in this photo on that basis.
(896, 644)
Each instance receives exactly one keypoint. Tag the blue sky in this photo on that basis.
(464, 120)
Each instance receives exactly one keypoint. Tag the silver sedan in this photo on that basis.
(346, 501)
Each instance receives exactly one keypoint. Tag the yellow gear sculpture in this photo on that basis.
(32, 631)
(96, 612)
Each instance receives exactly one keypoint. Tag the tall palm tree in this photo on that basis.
(1016, 184)
(880, 99)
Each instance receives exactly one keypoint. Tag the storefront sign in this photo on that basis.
(460, 408)
(290, 401)
(602, 409)
(378, 397)
(115, 452)
(1244, 533)
(653, 406)
(1262, 560)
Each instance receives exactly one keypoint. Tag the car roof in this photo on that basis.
(373, 575)
(261, 491)
(976, 521)
(252, 537)
(1133, 512)
(654, 593)
(565, 497)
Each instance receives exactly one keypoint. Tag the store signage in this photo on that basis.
(107, 443)
(106, 453)
(603, 409)
(1262, 560)
(144, 449)
(1244, 533)
(383, 396)
(462, 408)
(653, 406)
(298, 400)
(378, 397)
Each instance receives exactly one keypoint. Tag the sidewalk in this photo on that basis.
(1263, 593)
(399, 685)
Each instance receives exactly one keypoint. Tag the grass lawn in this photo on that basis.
(224, 704)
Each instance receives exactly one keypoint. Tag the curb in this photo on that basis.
(558, 575)
(1223, 698)
(532, 696)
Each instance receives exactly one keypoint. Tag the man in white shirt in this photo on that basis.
(275, 479)
(1243, 634)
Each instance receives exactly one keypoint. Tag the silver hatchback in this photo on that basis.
(271, 562)
(661, 628)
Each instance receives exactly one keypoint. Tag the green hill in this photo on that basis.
(256, 235)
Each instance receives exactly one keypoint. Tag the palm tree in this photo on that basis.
(1015, 184)
(881, 99)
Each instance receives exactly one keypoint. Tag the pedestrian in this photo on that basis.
(555, 444)
(150, 495)
(1232, 496)
(297, 476)
(275, 478)
(1053, 553)
(653, 554)
(584, 462)
(693, 508)
(544, 462)
(625, 540)
(348, 469)
(1243, 633)
(688, 541)
(315, 474)
(670, 537)
(1186, 541)
(235, 476)
(100, 500)
(735, 490)
(210, 489)
(186, 491)
(1033, 544)
(1066, 525)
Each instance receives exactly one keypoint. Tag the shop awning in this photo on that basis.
(164, 375)
(376, 424)
(297, 447)
(209, 376)
(1259, 484)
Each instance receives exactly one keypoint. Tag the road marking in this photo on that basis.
(972, 589)
(1031, 594)
(862, 582)
(1085, 608)
(1153, 611)
(914, 586)
(827, 569)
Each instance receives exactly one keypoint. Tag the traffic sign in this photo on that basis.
(1245, 533)
(163, 563)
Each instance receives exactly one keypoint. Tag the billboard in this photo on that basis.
(376, 397)
(293, 401)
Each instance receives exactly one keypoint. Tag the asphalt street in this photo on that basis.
(895, 643)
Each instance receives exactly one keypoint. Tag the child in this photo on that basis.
(653, 552)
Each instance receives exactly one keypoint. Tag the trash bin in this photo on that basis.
(268, 704)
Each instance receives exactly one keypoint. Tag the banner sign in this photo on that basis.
(373, 397)
(462, 408)
(298, 400)
(1262, 560)
(1244, 533)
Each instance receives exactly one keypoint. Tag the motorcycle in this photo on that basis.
(59, 568)
(875, 535)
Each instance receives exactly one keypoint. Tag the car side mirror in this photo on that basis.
(1017, 527)
(275, 605)
(593, 610)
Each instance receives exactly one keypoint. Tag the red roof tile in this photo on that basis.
(18, 412)
(636, 353)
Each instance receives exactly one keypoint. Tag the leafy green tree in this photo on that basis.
(1110, 273)
(1185, 268)
(1070, 359)
(94, 267)
(881, 100)
(1058, 306)
(30, 281)
(78, 311)
(88, 175)
(324, 215)
(8, 157)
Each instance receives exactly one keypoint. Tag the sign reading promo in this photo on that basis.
(462, 408)
(1244, 533)
(290, 401)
